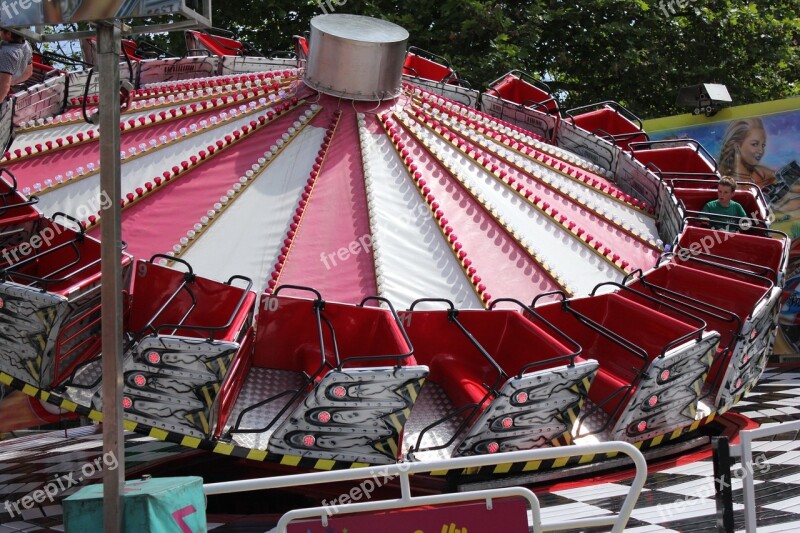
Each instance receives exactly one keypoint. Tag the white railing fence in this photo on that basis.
(745, 450)
(403, 471)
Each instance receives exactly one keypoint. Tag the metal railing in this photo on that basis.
(403, 471)
(744, 450)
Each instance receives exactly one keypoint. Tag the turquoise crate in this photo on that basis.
(165, 505)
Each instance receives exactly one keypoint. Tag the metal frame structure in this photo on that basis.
(403, 471)
(109, 34)
(108, 48)
(193, 20)
(745, 450)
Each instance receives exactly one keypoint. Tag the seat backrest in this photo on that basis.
(197, 302)
(696, 199)
(675, 160)
(217, 45)
(519, 91)
(608, 121)
(769, 253)
(513, 340)
(425, 68)
(287, 335)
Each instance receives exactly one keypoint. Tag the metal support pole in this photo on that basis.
(722, 483)
(108, 48)
(748, 488)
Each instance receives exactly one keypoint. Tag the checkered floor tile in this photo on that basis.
(683, 499)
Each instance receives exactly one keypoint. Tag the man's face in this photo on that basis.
(724, 195)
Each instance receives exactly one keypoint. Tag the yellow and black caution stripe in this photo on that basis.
(232, 450)
(565, 462)
(570, 414)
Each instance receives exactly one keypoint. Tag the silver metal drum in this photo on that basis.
(355, 57)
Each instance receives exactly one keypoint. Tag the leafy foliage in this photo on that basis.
(638, 52)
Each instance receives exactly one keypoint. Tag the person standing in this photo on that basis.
(16, 61)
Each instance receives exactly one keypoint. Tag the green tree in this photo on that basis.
(632, 51)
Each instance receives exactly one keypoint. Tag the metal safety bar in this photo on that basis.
(430, 56)
(404, 471)
(680, 340)
(531, 314)
(7, 198)
(471, 408)
(622, 342)
(189, 277)
(308, 379)
(247, 49)
(697, 306)
(770, 233)
(665, 176)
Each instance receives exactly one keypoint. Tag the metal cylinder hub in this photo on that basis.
(356, 57)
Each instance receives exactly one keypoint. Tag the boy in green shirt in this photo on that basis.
(725, 205)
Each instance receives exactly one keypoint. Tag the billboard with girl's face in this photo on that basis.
(758, 144)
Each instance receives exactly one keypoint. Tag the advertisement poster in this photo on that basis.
(759, 144)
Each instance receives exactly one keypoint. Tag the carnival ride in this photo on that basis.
(326, 277)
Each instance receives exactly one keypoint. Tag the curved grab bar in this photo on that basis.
(130, 68)
(550, 293)
(81, 229)
(614, 137)
(465, 421)
(299, 288)
(197, 52)
(533, 104)
(190, 274)
(4, 170)
(243, 278)
(629, 276)
(430, 56)
(86, 96)
(521, 75)
(31, 200)
(421, 300)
